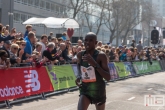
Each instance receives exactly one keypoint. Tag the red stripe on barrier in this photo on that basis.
(21, 82)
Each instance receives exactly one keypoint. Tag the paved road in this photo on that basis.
(121, 95)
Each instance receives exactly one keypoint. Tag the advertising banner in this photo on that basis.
(113, 71)
(146, 67)
(121, 69)
(129, 68)
(154, 67)
(141, 67)
(21, 82)
(62, 77)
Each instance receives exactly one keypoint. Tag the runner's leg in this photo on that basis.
(100, 107)
(83, 103)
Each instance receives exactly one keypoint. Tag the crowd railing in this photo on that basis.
(25, 83)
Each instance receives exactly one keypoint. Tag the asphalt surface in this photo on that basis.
(125, 94)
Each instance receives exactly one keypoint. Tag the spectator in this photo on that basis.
(133, 44)
(64, 55)
(3, 38)
(4, 60)
(21, 51)
(50, 37)
(139, 47)
(28, 29)
(79, 48)
(6, 47)
(7, 27)
(64, 36)
(99, 44)
(13, 55)
(44, 40)
(80, 43)
(38, 49)
(47, 53)
(112, 54)
(6, 33)
(29, 47)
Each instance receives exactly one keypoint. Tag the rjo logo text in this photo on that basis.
(154, 100)
(32, 81)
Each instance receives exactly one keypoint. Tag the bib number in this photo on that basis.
(88, 74)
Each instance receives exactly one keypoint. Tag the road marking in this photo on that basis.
(131, 98)
(149, 89)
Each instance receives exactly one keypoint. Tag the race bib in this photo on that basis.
(88, 74)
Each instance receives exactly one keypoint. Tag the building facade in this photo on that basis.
(15, 12)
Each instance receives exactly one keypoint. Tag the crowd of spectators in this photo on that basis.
(19, 50)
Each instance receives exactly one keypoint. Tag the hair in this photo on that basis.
(14, 45)
(74, 53)
(1, 26)
(98, 48)
(51, 44)
(31, 34)
(103, 50)
(28, 26)
(43, 36)
(3, 29)
(18, 42)
(64, 33)
(117, 50)
(2, 53)
(107, 51)
(38, 44)
(22, 41)
(106, 46)
(51, 33)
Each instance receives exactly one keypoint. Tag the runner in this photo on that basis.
(92, 67)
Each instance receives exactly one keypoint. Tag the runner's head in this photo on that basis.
(90, 41)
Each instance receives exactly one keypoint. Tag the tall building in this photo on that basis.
(15, 12)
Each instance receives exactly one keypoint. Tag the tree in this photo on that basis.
(124, 15)
(75, 7)
(94, 14)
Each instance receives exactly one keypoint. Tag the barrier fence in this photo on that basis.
(23, 82)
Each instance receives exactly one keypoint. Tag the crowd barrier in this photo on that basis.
(23, 82)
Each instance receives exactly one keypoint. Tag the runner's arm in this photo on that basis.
(103, 70)
(79, 71)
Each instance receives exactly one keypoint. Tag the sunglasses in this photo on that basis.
(23, 44)
(15, 48)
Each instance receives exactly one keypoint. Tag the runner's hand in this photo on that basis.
(88, 58)
(78, 82)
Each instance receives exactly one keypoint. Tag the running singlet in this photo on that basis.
(93, 85)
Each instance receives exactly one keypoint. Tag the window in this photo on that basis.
(47, 6)
(42, 4)
(16, 17)
(57, 8)
(61, 10)
(24, 2)
(53, 7)
(30, 2)
(36, 3)
(23, 17)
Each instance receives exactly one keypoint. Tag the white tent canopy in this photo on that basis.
(52, 22)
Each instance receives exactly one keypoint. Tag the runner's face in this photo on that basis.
(90, 42)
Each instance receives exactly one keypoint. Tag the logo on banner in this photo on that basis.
(154, 100)
(32, 81)
(54, 77)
